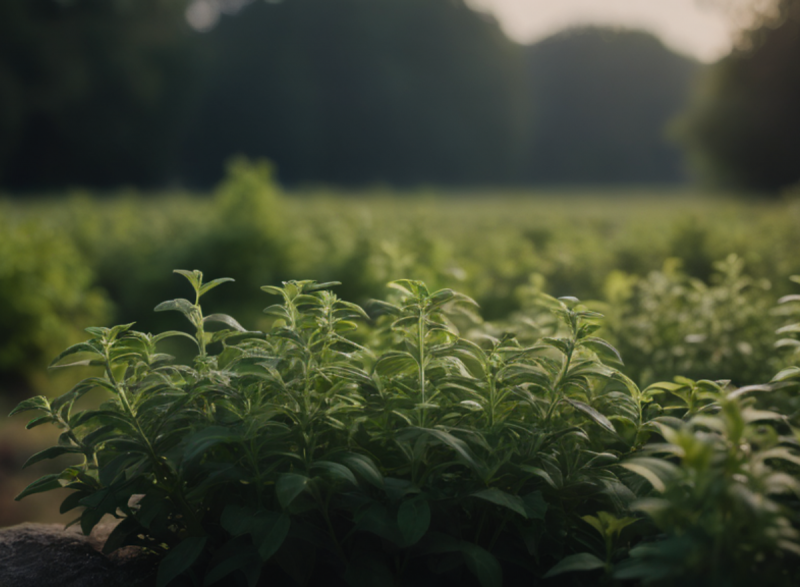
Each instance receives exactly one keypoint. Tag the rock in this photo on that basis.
(47, 555)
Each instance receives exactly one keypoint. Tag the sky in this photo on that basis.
(698, 28)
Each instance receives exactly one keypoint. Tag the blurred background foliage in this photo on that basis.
(356, 92)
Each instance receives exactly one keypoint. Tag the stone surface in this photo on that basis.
(47, 555)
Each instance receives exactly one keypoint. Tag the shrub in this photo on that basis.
(332, 449)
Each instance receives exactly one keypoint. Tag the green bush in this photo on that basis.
(47, 296)
(335, 449)
(669, 322)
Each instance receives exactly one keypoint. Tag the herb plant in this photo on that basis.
(391, 448)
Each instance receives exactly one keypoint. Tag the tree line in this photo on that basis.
(352, 92)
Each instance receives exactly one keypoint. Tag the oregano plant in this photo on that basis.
(388, 447)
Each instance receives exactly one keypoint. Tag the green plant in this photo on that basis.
(727, 504)
(300, 444)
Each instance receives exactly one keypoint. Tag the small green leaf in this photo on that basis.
(81, 347)
(582, 561)
(194, 277)
(45, 483)
(483, 565)
(337, 471)
(181, 305)
(289, 486)
(214, 283)
(364, 467)
(593, 414)
(46, 419)
(72, 501)
(269, 531)
(38, 402)
(225, 319)
(377, 520)
(413, 519)
(179, 559)
(51, 453)
(535, 505)
(656, 471)
(503, 499)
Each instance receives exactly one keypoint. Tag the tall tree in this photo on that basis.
(602, 100)
(91, 91)
(743, 127)
(358, 91)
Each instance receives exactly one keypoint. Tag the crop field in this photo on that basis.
(503, 387)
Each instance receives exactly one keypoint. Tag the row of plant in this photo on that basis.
(414, 444)
(70, 262)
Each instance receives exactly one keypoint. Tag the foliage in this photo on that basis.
(571, 243)
(395, 450)
(88, 86)
(671, 323)
(47, 294)
(590, 123)
(739, 129)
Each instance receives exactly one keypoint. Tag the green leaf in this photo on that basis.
(120, 533)
(364, 467)
(786, 374)
(396, 362)
(170, 333)
(179, 559)
(602, 347)
(199, 442)
(483, 565)
(457, 445)
(656, 471)
(582, 561)
(194, 277)
(72, 501)
(38, 402)
(81, 347)
(237, 520)
(269, 532)
(413, 519)
(377, 520)
(541, 473)
(503, 499)
(46, 419)
(593, 414)
(51, 453)
(225, 319)
(214, 283)
(535, 505)
(45, 483)
(110, 472)
(336, 470)
(289, 486)
(181, 305)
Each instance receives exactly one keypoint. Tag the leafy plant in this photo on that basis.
(335, 447)
(300, 442)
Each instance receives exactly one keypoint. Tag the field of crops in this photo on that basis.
(639, 430)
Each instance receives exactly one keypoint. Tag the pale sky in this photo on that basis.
(691, 27)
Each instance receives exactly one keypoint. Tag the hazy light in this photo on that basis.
(203, 15)
(701, 29)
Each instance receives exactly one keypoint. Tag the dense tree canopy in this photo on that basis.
(407, 92)
(363, 90)
(602, 102)
(743, 129)
(86, 86)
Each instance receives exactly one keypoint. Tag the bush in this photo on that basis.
(327, 450)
